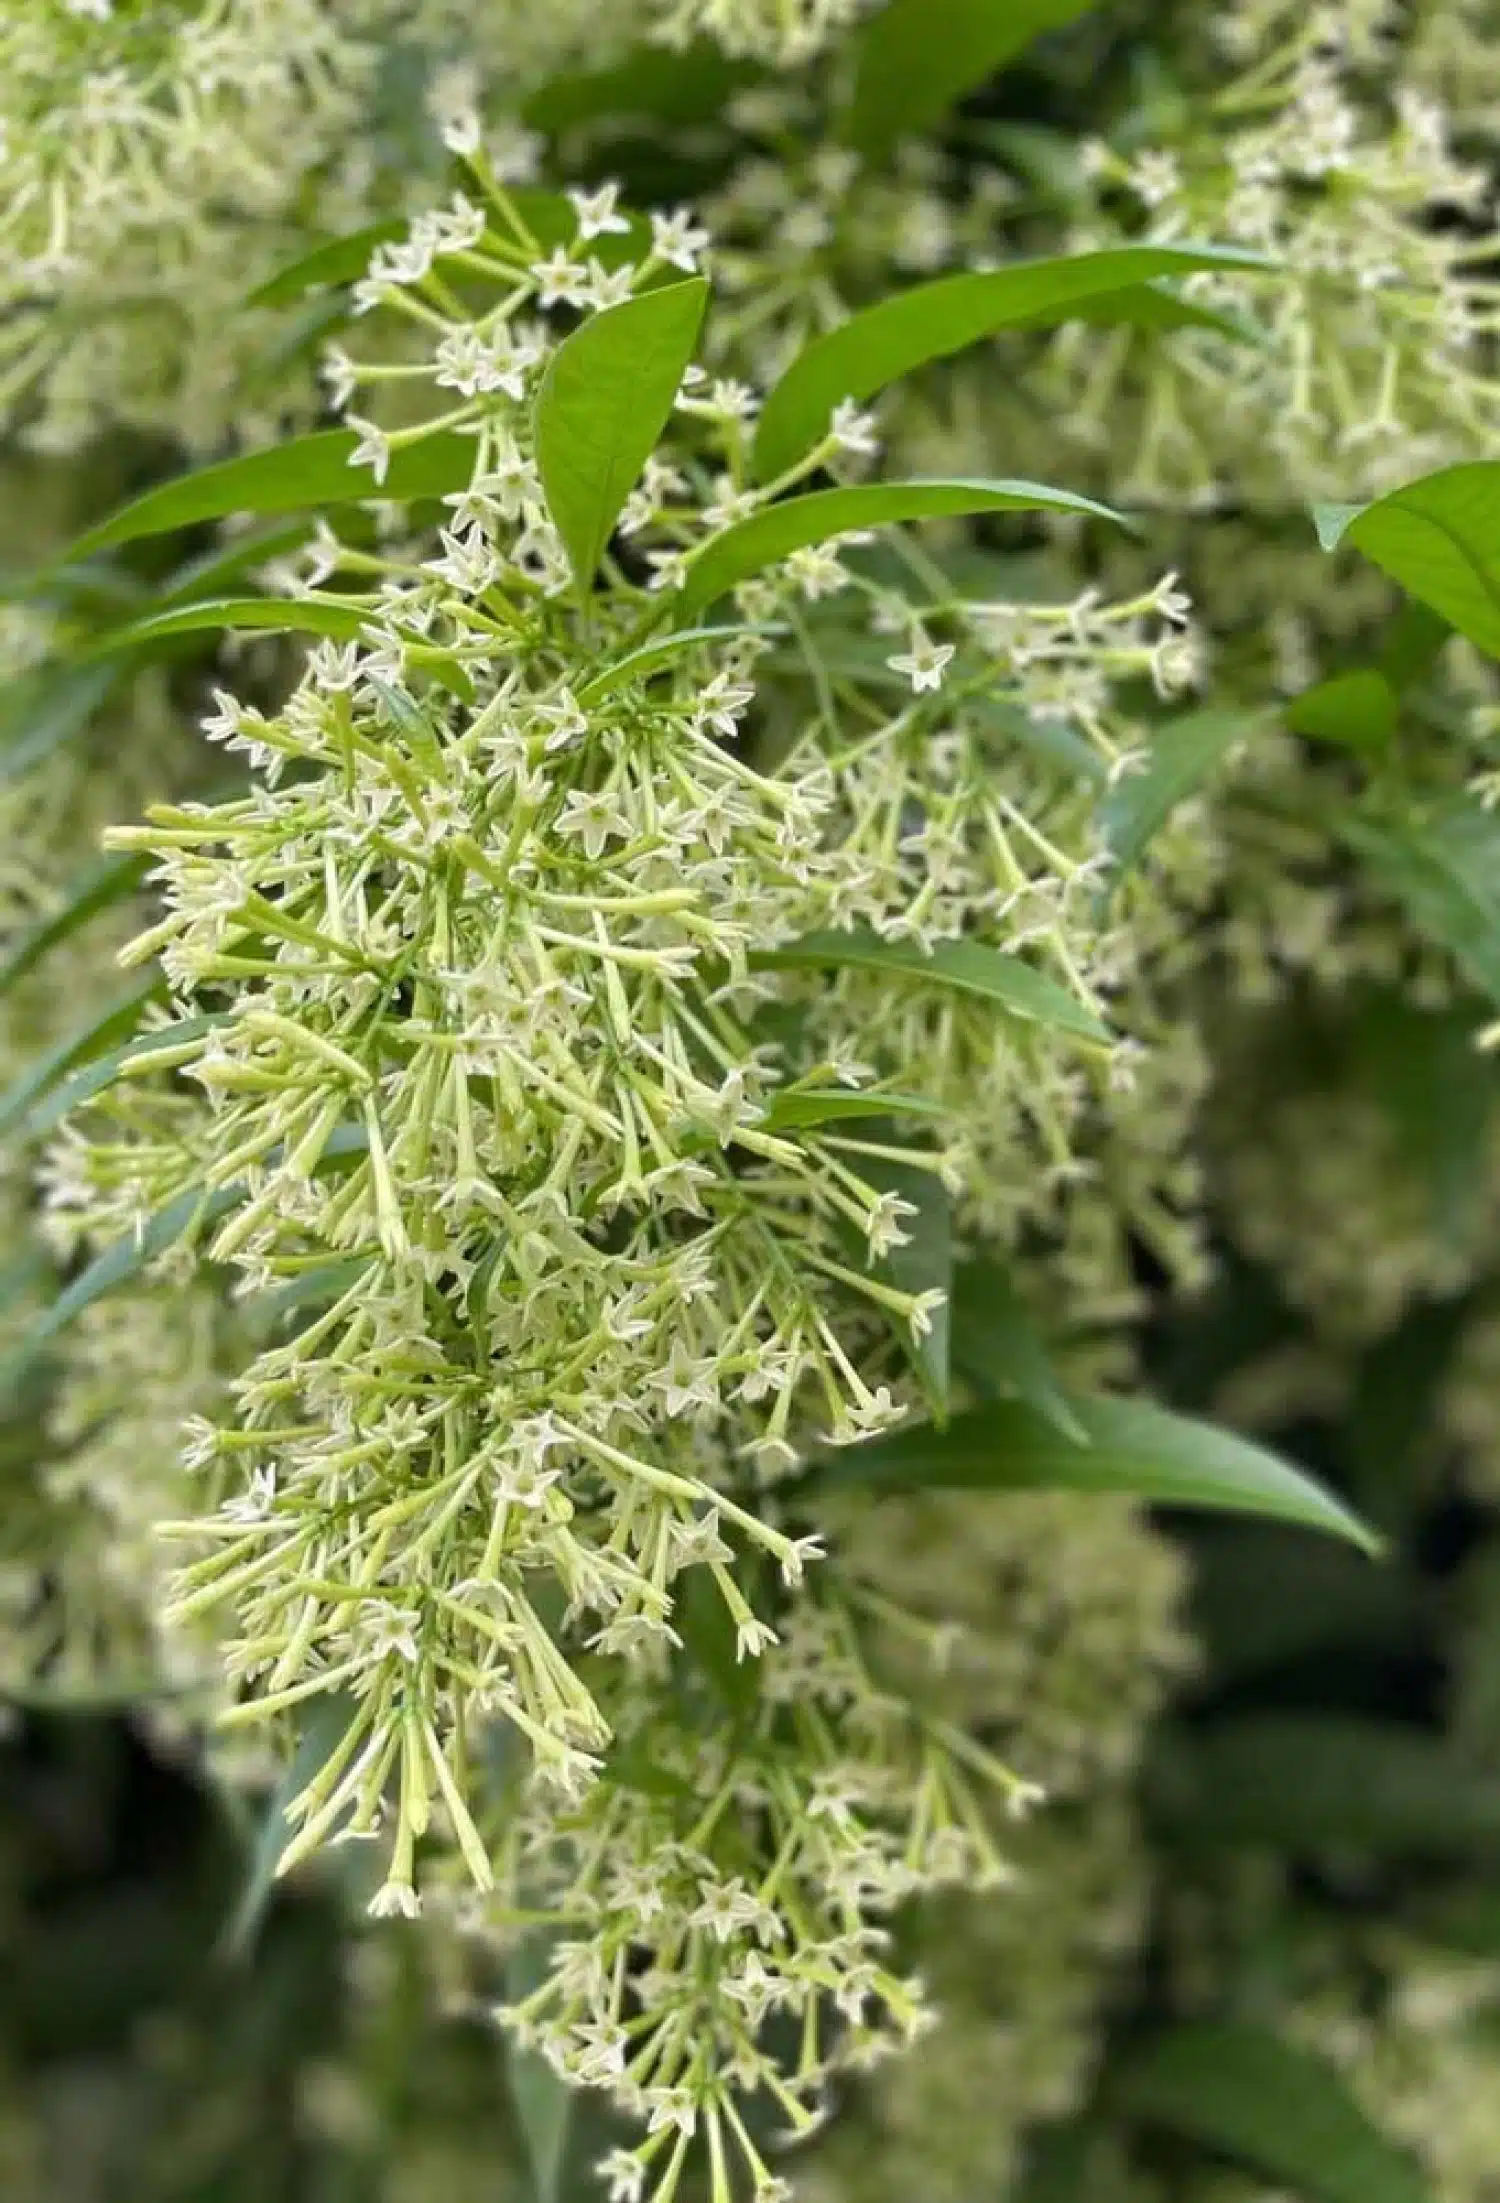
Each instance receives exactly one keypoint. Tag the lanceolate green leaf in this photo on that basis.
(650, 657)
(1006, 1445)
(996, 1348)
(1184, 754)
(919, 57)
(1444, 867)
(47, 710)
(544, 2102)
(299, 475)
(932, 320)
(338, 260)
(1278, 2109)
(103, 884)
(114, 1267)
(56, 1098)
(1440, 538)
(768, 535)
(294, 615)
(86, 1042)
(796, 1109)
(320, 1737)
(604, 402)
(966, 966)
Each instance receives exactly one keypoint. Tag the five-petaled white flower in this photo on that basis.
(924, 664)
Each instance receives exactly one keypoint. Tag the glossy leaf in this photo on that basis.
(338, 260)
(931, 321)
(304, 473)
(1131, 1446)
(1185, 753)
(108, 882)
(1311, 1784)
(205, 574)
(919, 57)
(968, 967)
(1277, 2108)
(768, 535)
(796, 1109)
(1439, 537)
(287, 615)
(639, 664)
(997, 1350)
(1444, 868)
(604, 401)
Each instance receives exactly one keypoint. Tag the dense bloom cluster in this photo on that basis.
(495, 1079)
(129, 291)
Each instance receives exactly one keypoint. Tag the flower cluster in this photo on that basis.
(1374, 363)
(489, 1078)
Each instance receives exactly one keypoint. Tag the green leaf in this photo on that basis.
(1355, 709)
(1131, 1446)
(795, 1109)
(924, 1264)
(604, 401)
(1439, 537)
(919, 57)
(204, 574)
(1444, 868)
(108, 882)
(650, 657)
(544, 2103)
(1184, 754)
(47, 709)
(82, 1045)
(652, 84)
(299, 475)
(1439, 1092)
(295, 615)
(125, 1259)
(56, 1100)
(996, 1348)
(1276, 2108)
(968, 967)
(1312, 1783)
(320, 1737)
(338, 260)
(768, 535)
(933, 320)
(1412, 643)
(319, 1286)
